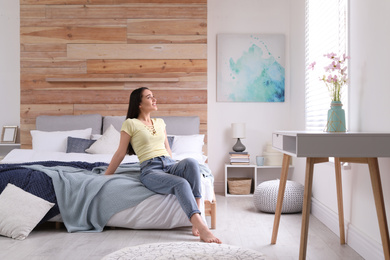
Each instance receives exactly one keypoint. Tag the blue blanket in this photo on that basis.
(32, 181)
(87, 199)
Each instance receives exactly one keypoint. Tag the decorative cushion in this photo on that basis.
(170, 140)
(20, 212)
(187, 144)
(55, 141)
(107, 144)
(266, 195)
(78, 145)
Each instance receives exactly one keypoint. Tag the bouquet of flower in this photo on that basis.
(337, 75)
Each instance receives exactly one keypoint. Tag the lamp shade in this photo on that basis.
(238, 130)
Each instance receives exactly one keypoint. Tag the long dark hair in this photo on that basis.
(133, 110)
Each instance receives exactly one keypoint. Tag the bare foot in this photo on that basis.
(195, 231)
(209, 237)
(202, 229)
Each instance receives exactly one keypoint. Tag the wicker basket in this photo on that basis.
(239, 186)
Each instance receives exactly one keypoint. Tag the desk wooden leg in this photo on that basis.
(340, 199)
(279, 202)
(306, 207)
(380, 205)
(306, 203)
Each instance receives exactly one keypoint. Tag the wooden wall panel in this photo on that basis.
(73, 34)
(128, 11)
(84, 2)
(146, 66)
(166, 26)
(137, 51)
(167, 39)
(86, 56)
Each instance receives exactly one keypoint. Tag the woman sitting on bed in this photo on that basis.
(147, 138)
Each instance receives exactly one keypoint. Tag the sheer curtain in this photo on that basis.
(326, 32)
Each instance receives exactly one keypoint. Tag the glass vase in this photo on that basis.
(336, 118)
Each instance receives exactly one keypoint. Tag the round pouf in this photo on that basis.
(184, 250)
(266, 196)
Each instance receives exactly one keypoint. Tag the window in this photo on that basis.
(326, 32)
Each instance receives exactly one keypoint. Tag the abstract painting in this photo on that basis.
(250, 68)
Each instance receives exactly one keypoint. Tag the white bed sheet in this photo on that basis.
(156, 212)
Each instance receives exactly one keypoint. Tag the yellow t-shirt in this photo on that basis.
(146, 143)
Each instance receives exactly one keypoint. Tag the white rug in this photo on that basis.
(184, 250)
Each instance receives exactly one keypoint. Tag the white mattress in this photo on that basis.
(156, 212)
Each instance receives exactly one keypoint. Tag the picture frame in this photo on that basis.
(8, 135)
(251, 67)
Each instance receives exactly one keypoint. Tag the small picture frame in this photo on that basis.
(8, 134)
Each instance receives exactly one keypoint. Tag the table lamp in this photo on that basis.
(238, 131)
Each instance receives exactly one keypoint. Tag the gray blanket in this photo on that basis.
(87, 200)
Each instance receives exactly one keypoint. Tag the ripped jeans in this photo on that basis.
(163, 175)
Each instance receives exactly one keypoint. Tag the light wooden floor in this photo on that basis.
(238, 223)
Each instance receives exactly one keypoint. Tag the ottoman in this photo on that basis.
(266, 195)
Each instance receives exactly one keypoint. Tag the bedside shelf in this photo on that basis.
(251, 171)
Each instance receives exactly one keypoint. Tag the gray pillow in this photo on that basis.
(78, 145)
(170, 141)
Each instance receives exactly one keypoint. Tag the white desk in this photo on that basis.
(317, 147)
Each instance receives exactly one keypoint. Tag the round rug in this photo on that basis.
(184, 250)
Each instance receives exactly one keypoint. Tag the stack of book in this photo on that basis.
(239, 158)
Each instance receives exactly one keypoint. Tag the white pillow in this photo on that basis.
(95, 136)
(107, 144)
(197, 156)
(20, 212)
(187, 144)
(56, 141)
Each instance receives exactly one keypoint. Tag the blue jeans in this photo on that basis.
(163, 175)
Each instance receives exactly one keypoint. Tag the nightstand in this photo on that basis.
(240, 171)
(258, 174)
(5, 148)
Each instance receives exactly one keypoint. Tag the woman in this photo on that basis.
(147, 138)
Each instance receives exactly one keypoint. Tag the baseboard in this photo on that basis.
(363, 245)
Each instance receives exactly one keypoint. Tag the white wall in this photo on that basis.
(368, 112)
(9, 63)
(369, 102)
(369, 106)
(249, 16)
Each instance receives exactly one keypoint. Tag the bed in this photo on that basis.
(64, 147)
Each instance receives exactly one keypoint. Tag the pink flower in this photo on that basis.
(336, 65)
(336, 81)
(330, 79)
(330, 55)
(311, 66)
(328, 68)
